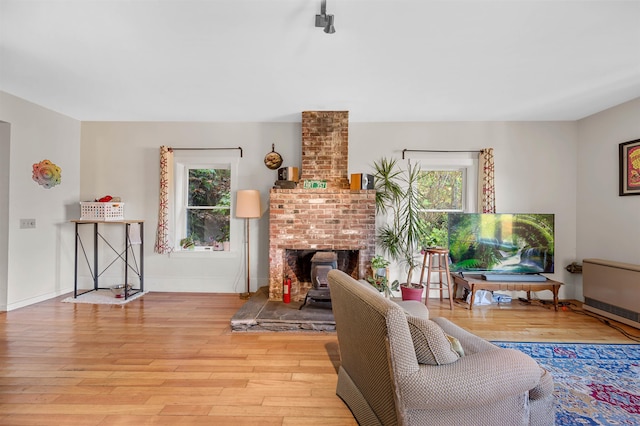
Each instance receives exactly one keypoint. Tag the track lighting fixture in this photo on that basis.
(325, 21)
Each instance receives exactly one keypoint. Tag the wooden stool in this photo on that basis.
(442, 267)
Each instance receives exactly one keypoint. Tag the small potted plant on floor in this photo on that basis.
(381, 283)
(379, 265)
(379, 278)
(400, 237)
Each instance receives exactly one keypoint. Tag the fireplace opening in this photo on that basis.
(298, 265)
(321, 263)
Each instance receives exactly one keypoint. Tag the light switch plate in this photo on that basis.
(27, 223)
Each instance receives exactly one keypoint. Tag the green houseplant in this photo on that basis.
(436, 236)
(379, 278)
(381, 283)
(379, 265)
(188, 243)
(225, 236)
(397, 196)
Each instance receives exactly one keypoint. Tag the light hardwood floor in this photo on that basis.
(171, 359)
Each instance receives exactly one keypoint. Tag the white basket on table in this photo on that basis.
(108, 211)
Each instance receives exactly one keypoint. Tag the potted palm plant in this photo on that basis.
(400, 237)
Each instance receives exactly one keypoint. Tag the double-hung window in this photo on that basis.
(447, 183)
(203, 191)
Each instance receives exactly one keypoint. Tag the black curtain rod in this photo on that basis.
(206, 149)
(433, 150)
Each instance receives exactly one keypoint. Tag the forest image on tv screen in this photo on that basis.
(510, 243)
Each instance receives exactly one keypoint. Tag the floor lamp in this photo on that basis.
(248, 207)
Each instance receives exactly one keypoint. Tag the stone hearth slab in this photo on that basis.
(261, 314)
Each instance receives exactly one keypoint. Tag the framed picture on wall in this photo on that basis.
(630, 168)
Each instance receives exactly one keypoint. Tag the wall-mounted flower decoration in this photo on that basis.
(46, 174)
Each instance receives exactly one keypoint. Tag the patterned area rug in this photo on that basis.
(595, 384)
(101, 297)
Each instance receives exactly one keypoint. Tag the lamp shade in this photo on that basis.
(248, 203)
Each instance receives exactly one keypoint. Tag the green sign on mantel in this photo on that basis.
(315, 184)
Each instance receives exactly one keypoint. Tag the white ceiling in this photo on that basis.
(264, 60)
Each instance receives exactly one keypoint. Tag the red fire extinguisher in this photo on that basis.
(286, 290)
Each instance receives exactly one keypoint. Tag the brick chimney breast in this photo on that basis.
(337, 219)
(325, 148)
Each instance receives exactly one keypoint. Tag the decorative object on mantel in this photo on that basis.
(288, 173)
(361, 181)
(273, 160)
(285, 184)
(315, 184)
(630, 168)
(248, 207)
(46, 174)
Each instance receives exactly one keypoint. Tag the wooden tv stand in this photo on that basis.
(475, 282)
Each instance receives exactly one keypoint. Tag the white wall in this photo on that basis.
(608, 224)
(5, 139)
(535, 172)
(566, 168)
(122, 159)
(535, 167)
(39, 260)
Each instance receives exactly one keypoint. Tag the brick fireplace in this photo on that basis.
(304, 221)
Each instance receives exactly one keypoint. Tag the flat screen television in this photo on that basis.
(501, 243)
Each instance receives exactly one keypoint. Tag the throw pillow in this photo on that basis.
(455, 345)
(430, 342)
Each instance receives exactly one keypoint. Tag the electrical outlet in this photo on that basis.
(27, 223)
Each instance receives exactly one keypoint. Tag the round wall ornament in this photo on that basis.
(46, 174)
(273, 160)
